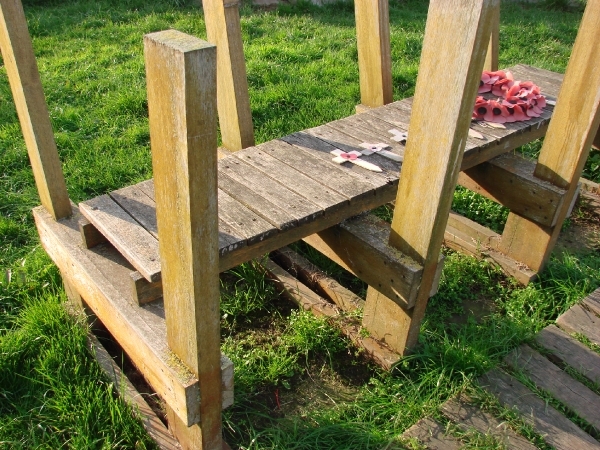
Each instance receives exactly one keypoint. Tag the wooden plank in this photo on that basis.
(223, 29)
(28, 94)
(469, 417)
(142, 290)
(181, 74)
(260, 159)
(317, 280)
(592, 302)
(276, 193)
(125, 233)
(573, 394)
(556, 429)
(431, 434)
(567, 351)
(549, 82)
(434, 153)
(483, 237)
(305, 298)
(508, 179)
(90, 236)
(123, 387)
(360, 245)
(579, 320)
(575, 120)
(138, 205)
(103, 275)
(374, 54)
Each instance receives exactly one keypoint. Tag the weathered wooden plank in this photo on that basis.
(104, 275)
(259, 158)
(482, 236)
(181, 74)
(567, 144)
(143, 291)
(555, 428)
(565, 350)
(138, 205)
(90, 236)
(28, 94)
(380, 265)
(469, 417)
(431, 434)
(434, 150)
(508, 179)
(576, 396)
(579, 320)
(123, 387)
(300, 208)
(305, 298)
(592, 302)
(317, 280)
(223, 29)
(125, 233)
(374, 55)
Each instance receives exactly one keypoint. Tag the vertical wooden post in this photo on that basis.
(596, 143)
(28, 94)
(491, 57)
(223, 29)
(181, 78)
(374, 55)
(454, 47)
(567, 144)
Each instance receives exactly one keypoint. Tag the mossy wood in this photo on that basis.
(26, 86)
(181, 73)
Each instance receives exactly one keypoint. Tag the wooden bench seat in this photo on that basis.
(278, 192)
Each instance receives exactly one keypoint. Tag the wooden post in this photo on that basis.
(567, 144)
(374, 56)
(28, 94)
(181, 78)
(596, 143)
(454, 47)
(223, 29)
(491, 57)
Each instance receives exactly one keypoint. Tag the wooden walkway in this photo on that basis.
(549, 364)
(278, 192)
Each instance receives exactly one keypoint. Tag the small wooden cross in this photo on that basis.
(380, 149)
(399, 136)
(341, 157)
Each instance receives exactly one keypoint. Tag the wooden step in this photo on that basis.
(579, 319)
(281, 191)
(102, 276)
(556, 430)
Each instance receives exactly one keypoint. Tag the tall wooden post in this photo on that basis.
(181, 78)
(491, 57)
(374, 55)
(223, 29)
(450, 69)
(28, 94)
(567, 144)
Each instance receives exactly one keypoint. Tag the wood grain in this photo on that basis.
(555, 428)
(573, 394)
(491, 57)
(28, 94)
(431, 434)
(181, 74)
(580, 320)
(374, 54)
(223, 29)
(566, 147)
(567, 351)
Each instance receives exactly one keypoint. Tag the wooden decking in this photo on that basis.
(556, 364)
(278, 192)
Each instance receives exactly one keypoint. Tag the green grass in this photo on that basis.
(299, 384)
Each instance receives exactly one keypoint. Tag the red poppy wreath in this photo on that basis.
(519, 100)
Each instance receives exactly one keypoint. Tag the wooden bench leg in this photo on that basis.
(491, 57)
(452, 63)
(374, 55)
(567, 144)
(182, 82)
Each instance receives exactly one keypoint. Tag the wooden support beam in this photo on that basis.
(181, 76)
(491, 57)
(223, 29)
(360, 245)
(566, 147)
(596, 143)
(452, 62)
(28, 94)
(374, 55)
(90, 236)
(508, 179)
